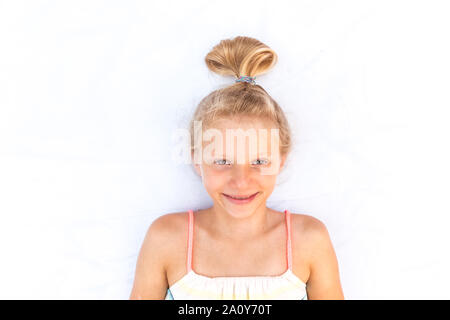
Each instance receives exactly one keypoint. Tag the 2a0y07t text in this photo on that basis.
(226, 309)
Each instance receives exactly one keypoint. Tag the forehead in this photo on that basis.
(238, 136)
(242, 122)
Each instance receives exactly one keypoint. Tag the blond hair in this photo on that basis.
(241, 56)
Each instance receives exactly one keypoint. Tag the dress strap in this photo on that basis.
(190, 240)
(288, 240)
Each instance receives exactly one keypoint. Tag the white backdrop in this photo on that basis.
(91, 91)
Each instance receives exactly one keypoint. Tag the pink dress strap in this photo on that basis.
(288, 240)
(190, 239)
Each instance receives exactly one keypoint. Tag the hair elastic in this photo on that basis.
(246, 79)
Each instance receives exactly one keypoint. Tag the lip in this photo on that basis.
(244, 201)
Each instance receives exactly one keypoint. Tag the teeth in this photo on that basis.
(240, 198)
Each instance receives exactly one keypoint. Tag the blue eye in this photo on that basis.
(264, 161)
(220, 162)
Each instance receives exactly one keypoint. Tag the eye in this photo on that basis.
(261, 161)
(222, 162)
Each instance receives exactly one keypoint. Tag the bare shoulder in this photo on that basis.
(313, 243)
(307, 225)
(168, 228)
(164, 235)
(154, 257)
(308, 233)
(168, 222)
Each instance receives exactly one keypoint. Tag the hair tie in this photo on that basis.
(246, 79)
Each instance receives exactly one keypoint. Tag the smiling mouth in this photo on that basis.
(241, 197)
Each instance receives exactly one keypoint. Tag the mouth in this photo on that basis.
(240, 199)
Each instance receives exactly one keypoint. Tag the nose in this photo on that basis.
(241, 176)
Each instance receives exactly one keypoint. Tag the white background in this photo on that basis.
(91, 91)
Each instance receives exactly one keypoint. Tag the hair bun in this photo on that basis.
(241, 56)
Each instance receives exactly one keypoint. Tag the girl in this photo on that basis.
(238, 248)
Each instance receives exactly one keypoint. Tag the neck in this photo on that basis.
(235, 228)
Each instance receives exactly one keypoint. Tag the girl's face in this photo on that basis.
(239, 166)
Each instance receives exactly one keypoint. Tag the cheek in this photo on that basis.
(212, 179)
(268, 182)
